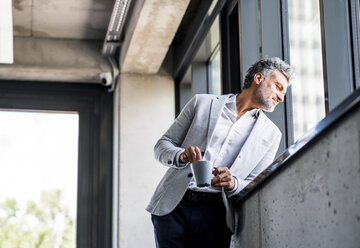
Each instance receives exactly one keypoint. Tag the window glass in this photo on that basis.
(306, 58)
(38, 179)
(214, 35)
(215, 74)
(185, 89)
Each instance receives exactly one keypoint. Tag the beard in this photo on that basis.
(265, 101)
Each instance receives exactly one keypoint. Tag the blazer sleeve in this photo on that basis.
(168, 148)
(262, 165)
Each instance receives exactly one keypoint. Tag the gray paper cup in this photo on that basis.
(202, 171)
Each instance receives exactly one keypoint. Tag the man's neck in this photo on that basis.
(245, 102)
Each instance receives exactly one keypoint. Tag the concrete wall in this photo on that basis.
(146, 110)
(314, 201)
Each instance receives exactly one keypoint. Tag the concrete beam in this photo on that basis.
(55, 60)
(154, 32)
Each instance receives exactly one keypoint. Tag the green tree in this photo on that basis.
(44, 224)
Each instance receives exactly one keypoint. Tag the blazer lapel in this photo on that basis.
(217, 104)
(252, 151)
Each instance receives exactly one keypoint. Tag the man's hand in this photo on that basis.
(223, 178)
(191, 154)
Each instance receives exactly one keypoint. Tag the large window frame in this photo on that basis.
(94, 105)
(229, 28)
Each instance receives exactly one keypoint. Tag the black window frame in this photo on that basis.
(230, 55)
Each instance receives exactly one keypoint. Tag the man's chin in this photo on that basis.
(269, 109)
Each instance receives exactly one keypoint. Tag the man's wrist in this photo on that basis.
(230, 191)
(178, 162)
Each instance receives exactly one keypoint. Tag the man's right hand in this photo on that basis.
(191, 154)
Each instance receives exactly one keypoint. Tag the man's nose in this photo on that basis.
(280, 97)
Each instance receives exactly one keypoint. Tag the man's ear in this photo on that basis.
(258, 78)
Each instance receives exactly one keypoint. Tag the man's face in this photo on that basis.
(271, 91)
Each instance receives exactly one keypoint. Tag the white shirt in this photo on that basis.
(228, 138)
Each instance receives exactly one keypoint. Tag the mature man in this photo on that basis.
(236, 136)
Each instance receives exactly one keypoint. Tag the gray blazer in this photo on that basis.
(194, 127)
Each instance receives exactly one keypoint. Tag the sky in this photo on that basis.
(38, 152)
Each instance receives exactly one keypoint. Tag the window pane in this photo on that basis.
(214, 63)
(204, 72)
(38, 179)
(214, 35)
(306, 58)
(215, 74)
(185, 88)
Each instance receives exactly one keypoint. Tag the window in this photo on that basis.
(308, 85)
(230, 43)
(214, 71)
(38, 178)
(204, 72)
(88, 109)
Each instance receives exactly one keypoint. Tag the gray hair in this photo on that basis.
(266, 67)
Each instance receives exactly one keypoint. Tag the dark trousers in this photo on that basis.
(193, 224)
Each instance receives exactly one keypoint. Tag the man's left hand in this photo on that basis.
(223, 178)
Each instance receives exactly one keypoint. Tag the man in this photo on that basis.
(236, 136)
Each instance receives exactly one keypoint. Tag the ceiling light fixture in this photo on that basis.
(118, 17)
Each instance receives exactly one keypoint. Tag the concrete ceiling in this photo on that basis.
(62, 19)
(60, 40)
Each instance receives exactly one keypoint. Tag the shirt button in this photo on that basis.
(190, 175)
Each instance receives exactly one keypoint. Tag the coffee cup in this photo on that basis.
(202, 171)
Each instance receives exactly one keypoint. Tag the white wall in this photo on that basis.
(56, 60)
(146, 110)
